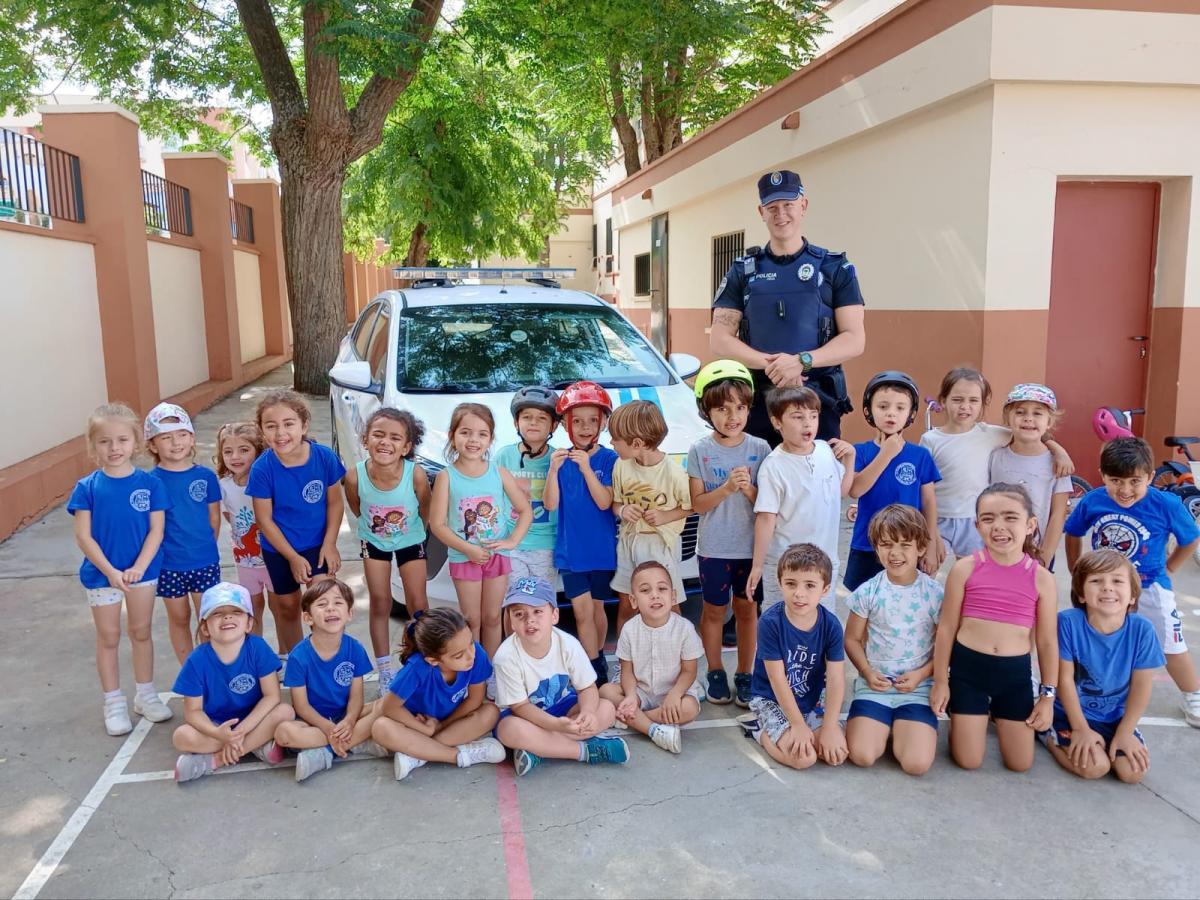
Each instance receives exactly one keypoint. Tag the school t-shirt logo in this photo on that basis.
(198, 490)
(242, 684)
(906, 473)
(313, 491)
(140, 500)
(344, 673)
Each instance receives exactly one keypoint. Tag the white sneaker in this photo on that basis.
(486, 750)
(385, 681)
(370, 748)
(404, 764)
(116, 717)
(1190, 704)
(614, 672)
(150, 707)
(668, 737)
(190, 766)
(310, 762)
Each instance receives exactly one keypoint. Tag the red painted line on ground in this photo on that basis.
(516, 866)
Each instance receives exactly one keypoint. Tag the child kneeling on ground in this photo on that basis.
(658, 650)
(547, 686)
(325, 673)
(800, 653)
(230, 689)
(435, 709)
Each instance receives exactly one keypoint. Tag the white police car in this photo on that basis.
(443, 342)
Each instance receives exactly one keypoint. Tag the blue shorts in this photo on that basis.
(889, 707)
(561, 708)
(576, 584)
(281, 572)
(1060, 732)
(721, 579)
(172, 584)
(960, 535)
(861, 566)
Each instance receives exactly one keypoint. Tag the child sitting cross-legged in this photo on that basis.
(547, 685)
(325, 673)
(658, 650)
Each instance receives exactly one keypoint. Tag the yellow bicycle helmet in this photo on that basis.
(722, 370)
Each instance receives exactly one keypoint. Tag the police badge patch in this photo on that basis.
(776, 178)
(806, 271)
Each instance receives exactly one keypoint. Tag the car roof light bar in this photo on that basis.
(417, 273)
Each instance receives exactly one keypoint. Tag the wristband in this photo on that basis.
(1047, 690)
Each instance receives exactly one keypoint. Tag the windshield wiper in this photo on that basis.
(449, 388)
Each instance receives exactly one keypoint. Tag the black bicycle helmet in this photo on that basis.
(535, 397)
(894, 379)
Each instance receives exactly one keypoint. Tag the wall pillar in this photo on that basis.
(350, 288)
(262, 196)
(105, 138)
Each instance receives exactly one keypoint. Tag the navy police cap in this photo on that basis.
(781, 185)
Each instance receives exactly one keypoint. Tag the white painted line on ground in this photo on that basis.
(46, 866)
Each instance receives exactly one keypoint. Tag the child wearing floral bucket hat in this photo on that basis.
(1031, 412)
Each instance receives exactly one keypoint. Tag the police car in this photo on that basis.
(452, 338)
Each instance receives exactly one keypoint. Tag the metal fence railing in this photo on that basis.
(241, 222)
(168, 205)
(37, 178)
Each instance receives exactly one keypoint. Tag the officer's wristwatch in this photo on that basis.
(1047, 690)
(805, 361)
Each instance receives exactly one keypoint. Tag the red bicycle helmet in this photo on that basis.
(582, 393)
(1109, 423)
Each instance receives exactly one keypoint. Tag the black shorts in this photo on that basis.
(861, 566)
(403, 556)
(281, 572)
(758, 423)
(981, 683)
(721, 579)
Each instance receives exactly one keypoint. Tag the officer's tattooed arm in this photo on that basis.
(724, 342)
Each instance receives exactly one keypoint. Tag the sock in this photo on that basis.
(383, 662)
(583, 751)
(110, 696)
(147, 690)
(282, 659)
(654, 726)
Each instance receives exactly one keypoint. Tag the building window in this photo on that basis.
(608, 254)
(595, 242)
(725, 249)
(641, 275)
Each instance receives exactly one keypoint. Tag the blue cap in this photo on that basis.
(530, 592)
(781, 185)
(224, 593)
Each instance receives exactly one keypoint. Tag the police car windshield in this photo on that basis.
(489, 348)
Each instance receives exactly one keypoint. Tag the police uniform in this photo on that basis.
(787, 305)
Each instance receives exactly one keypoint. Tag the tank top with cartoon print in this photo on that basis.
(478, 509)
(389, 520)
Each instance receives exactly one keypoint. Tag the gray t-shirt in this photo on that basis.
(727, 531)
(1035, 473)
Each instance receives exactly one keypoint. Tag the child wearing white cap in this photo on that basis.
(191, 563)
(230, 690)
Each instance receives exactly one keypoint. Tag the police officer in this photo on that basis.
(791, 311)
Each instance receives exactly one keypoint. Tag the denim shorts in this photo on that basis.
(889, 707)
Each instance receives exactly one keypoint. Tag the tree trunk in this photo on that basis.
(311, 206)
(620, 119)
(418, 247)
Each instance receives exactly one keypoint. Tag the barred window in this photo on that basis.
(725, 249)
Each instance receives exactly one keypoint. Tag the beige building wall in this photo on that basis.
(53, 363)
(178, 300)
(603, 283)
(249, 302)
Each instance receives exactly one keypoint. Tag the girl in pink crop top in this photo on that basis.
(998, 602)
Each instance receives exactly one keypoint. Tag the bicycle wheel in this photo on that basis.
(1079, 487)
(1192, 502)
(1166, 478)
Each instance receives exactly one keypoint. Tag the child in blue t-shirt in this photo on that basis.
(890, 470)
(119, 511)
(325, 673)
(535, 416)
(800, 654)
(1126, 515)
(435, 709)
(230, 690)
(296, 486)
(191, 563)
(1107, 655)
(579, 484)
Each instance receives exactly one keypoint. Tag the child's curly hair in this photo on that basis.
(248, 432)
(414, 429)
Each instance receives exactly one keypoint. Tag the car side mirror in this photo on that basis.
(355, 376)
(684, 364)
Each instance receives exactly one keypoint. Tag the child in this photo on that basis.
(585, 544)
(800, 490)
(230, 690)
(325, 673)
(651, 498)
(723, 477)
(434, 709)
(389, 496)
(1107, 656)
(998, 603)
(535, 416)
(1126, 516)
(658, 650)
(1030, 411)
(118, 513)
(296, 487)
(889, 639)
(800, 654)
(888, 470)
(239, 444)
(478, 558)
(191, 563)
(547, 687)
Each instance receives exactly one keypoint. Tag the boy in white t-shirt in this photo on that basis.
(546, 686)
(659, 652)
(800, 490)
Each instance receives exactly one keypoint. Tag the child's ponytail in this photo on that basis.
(429, 632)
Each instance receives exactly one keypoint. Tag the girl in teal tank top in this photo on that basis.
(469, 513)
(389, 495)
